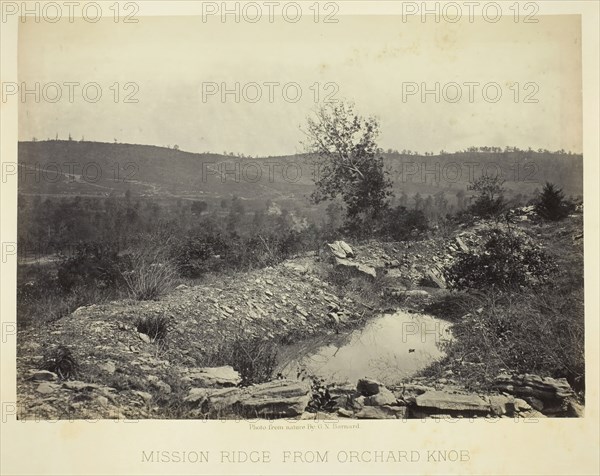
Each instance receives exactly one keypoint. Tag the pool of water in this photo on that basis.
(389, 348)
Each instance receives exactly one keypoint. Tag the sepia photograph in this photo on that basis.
(299, 215)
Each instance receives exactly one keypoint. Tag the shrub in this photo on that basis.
(195, 255)
(254, 358)
(551, 203)
(61, 361)
(91, 264)
(506, 261)
(148, 274)
(402, 224)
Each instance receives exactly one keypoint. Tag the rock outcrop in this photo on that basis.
(275, 399)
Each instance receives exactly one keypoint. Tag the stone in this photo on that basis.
(341, 249)
(368, 387)
(101, 400)
(535, 403)
(416, 389)
(464, 248)
(416, 293)
(42, 376)
(296, 267)
(215, 377)
(529, 385)
(359, 268)
(521, 405)
(108, 367)
(383, 397)
(345, 413)
(161, 386)
(143, 395)
(79, 386)
(501, 405)
(575, 409)
(339, 390)
(441, 400)
(279, 398)
(47, 388)
(381, 413)
(182, 287)
(437, 280)
(145, 337)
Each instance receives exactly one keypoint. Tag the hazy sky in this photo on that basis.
(371, 59)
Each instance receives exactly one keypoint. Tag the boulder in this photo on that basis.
(501, 405)
(215, 377)
(279, 398)
(276, 399)
(42, 376)
(383, 397)
(341, 249)
(441, 400)
(529, 385)
(47, 387)
(359, 268)
(368, 387)
(381, 413)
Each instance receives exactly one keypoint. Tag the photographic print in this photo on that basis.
(306, 215)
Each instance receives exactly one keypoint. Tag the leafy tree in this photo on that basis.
(350, 164)
(490, 199)
(551, 203)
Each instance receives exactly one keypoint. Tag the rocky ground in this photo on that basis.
(122, 370)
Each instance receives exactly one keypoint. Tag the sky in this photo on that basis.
(171, 65)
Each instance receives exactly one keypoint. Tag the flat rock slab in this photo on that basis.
(358, 267)
(340, 249)
(279, 398)
(381, 413)
(46, 388)
(42, 375)
(276, 399)
(528, 385)
(441, 400)
(215, 377)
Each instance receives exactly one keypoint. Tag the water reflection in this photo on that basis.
(389, 348)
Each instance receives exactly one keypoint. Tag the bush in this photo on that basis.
(148, 274)
(506, 261)
(61, 361)
(402, 224)
(551, 203)
(254, 358)
(91, 264)
(196, 254)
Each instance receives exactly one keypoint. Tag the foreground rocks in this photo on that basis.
(276, 399)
